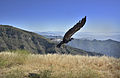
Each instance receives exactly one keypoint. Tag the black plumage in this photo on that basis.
(70, 32)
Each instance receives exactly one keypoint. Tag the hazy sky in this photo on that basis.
(60, 15)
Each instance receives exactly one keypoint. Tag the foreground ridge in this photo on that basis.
(58, 66)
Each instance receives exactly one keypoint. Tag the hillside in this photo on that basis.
(108, 47)
(12, 38)
(15, 65)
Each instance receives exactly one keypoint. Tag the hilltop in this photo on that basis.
(12, 38)
(15, 65)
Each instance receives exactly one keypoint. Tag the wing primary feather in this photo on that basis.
(71, 31)
(75, 28)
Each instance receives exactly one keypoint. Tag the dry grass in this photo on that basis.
(15, 65)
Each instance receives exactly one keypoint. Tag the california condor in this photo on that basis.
(70, 32)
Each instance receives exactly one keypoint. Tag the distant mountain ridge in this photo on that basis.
(108, 47)
(88, 35)
(12, 38)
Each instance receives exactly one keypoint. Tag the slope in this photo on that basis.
(108, 47)
(12, 38)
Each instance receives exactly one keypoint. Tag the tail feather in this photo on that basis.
(59, 45)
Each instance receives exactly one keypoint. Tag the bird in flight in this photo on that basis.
(70, 32)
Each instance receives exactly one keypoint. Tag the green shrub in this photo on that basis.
(19, 51)
(3, 62)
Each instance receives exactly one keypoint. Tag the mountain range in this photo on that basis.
(12, 38)
(87, 35)
(108, 47)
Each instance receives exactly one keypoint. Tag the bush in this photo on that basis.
(18, 51)
(3, 62)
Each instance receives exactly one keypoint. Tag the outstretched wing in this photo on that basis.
(74, 29)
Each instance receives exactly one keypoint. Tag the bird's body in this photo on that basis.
(70, 32)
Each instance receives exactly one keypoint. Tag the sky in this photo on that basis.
(60, 15)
